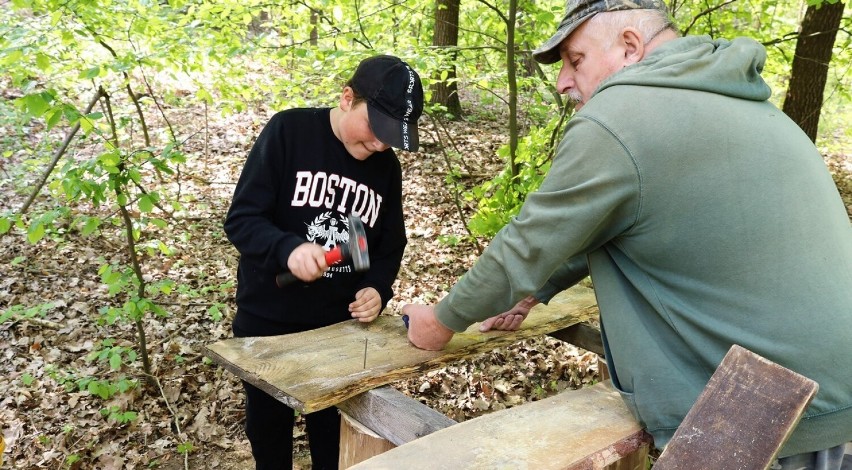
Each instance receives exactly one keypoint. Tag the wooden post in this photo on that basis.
(381, 419)
(357, 443)
(637, 460)
(603, 369)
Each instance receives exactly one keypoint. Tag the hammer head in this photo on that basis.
(358, 243)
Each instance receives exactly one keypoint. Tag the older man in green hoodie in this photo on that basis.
(703, 214)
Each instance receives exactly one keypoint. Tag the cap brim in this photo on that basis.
(398, 134)
(548, 53)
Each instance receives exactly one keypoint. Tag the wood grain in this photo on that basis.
(316, 369)
(393, 415)
(358, 442)
(589, 428)
(742, 418)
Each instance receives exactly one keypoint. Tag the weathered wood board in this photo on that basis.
(316, 369)
(742, 418)
(588, 428)
(394, 416)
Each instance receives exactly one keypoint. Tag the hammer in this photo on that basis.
(355, 249)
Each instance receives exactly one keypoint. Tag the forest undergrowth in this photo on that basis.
(48, 422)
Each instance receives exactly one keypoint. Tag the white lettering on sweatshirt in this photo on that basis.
(321, 189)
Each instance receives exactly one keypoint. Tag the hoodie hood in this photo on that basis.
(720, 66)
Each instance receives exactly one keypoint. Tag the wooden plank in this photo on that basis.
(585, 429)
(393, 415)
(316, 369)
(742, 418)
(582, 335)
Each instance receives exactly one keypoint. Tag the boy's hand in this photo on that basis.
(367, 305)
(307, 262)
(424, 329)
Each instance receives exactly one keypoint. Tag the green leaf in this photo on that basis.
(146, 204)
(42, 61)
(35, 233)
(109, 159)
(5, 225)
(91, 225)
(164, 249)
(35, 104)
(54, 118)
(135, 175)
(204, 95)
(90, 73)
(86, 125)
(215, 313)
(185, 447)
(12, 57)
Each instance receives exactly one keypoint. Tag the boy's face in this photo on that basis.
(354, 127)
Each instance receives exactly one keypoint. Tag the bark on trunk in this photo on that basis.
(803, 101)
(445, 92)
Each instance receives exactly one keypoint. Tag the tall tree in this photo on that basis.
(445, 90)
(803, 101)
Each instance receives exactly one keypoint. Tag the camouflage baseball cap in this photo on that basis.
(578, 11)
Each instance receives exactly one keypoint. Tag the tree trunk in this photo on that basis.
(314, 30)
(803, 101)
(445, 92)
(358, 442)
(511, 76)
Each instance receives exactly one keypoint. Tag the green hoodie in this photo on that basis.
(707, 218)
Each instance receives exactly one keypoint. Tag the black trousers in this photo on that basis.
(269, 427)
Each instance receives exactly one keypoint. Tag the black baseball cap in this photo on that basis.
(394, 97)
(578, 11)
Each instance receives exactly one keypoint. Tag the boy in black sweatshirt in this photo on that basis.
(307, 171)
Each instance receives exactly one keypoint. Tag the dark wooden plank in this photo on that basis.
(742, 418)
(582, 335)
(316, 369)
(576, 429)
(393, 415)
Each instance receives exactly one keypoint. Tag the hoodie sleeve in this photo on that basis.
(249, 223)
(590, 196)
(568, 274)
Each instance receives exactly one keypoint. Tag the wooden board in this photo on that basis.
(393, 415)
(588, 428)
(316, 369)
(742, 418)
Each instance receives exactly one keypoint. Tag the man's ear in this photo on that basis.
(634, 46)
(347, 98)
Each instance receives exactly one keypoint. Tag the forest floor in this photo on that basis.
(49, 421)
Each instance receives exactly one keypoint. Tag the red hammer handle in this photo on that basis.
(337, 254)
(332, 257)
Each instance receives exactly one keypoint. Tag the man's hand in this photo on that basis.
(511, 319)
(367, 305)
(307, 262)
(424, 329)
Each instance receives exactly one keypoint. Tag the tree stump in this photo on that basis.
(358, 443)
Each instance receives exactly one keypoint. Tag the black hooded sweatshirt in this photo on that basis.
(299, 184)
